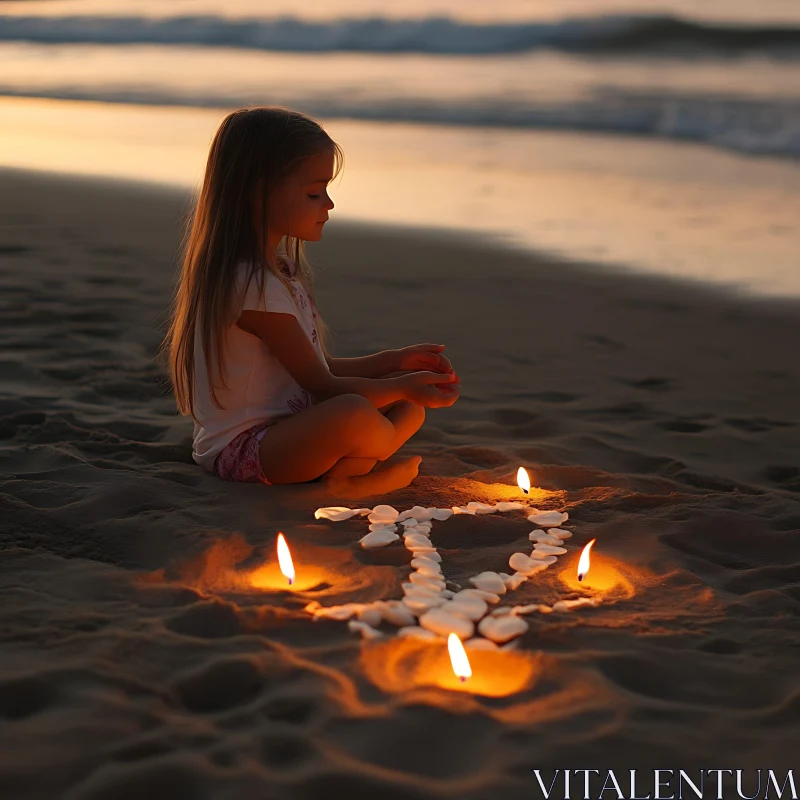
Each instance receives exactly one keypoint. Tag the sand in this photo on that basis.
(136, 659)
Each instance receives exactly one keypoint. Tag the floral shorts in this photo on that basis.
(241, 459)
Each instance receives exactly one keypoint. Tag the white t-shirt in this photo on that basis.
(259, 387)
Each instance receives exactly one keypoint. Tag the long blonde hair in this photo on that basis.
(252, 151)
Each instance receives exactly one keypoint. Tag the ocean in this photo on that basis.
(721, 74)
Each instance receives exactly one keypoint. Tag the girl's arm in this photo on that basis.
(426, 357)
(288, 342)
(373, 366)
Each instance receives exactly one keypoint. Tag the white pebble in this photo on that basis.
(441, 513)
(548, 519)
(515, 581)
(426, 552)
(367, 631)
(418, 512)
(339, 613)
(408, 522)
(383, 514)
(522, 563)
(415, 632)
(502, 629)
(542, 537)
(335, 513)
(568, 605)
(370, 614)
(417, 540)
(561, 533)
(427, 571)
(427, 582)
(463, 510)
(481, 508)
(479, 643)
(470, 607)
(512, 506)
(489, 597)
(424, 526)
(419, 605)
(382, 526)
(489, 582)
(379, 538)
(501, 611)
(541, 566)
(442, 622)
(423, 562)
(549, 550)
(531, 608)
(410, 588)
(395, 613)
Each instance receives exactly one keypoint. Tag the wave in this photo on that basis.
(753, 126)
(588, 35)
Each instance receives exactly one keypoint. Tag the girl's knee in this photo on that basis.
(349, 404)
(410, 416)
(417, 415)
(358, 417)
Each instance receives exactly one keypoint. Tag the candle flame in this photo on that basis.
(523, 480)
(458, 657)
(285, 559)
(583, 563)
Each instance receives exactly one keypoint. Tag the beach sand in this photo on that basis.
(137, 661)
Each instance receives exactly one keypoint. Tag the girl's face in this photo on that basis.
(299, 205)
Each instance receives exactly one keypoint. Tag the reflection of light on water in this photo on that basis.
(403, 664)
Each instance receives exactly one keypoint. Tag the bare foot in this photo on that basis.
(386, 478)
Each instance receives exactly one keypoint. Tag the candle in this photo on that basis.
(523, 480)
(584, 561)
(458, 658)
(285, 559)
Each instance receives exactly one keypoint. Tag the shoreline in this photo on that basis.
(664, 208)
(439, 235)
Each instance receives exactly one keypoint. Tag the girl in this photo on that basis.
(246, 343)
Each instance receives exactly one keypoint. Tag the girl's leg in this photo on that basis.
(407, 419)
(306, 445)
(349, 467)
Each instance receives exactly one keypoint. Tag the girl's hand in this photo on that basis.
(425, 357)
(431, 389)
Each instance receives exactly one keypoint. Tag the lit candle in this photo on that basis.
(583, 563)
(458, 658)
(285, 559)
(523, 480)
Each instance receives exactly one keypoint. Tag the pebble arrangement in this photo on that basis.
(432, 609)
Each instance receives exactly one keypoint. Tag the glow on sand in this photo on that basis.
(401, 664)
